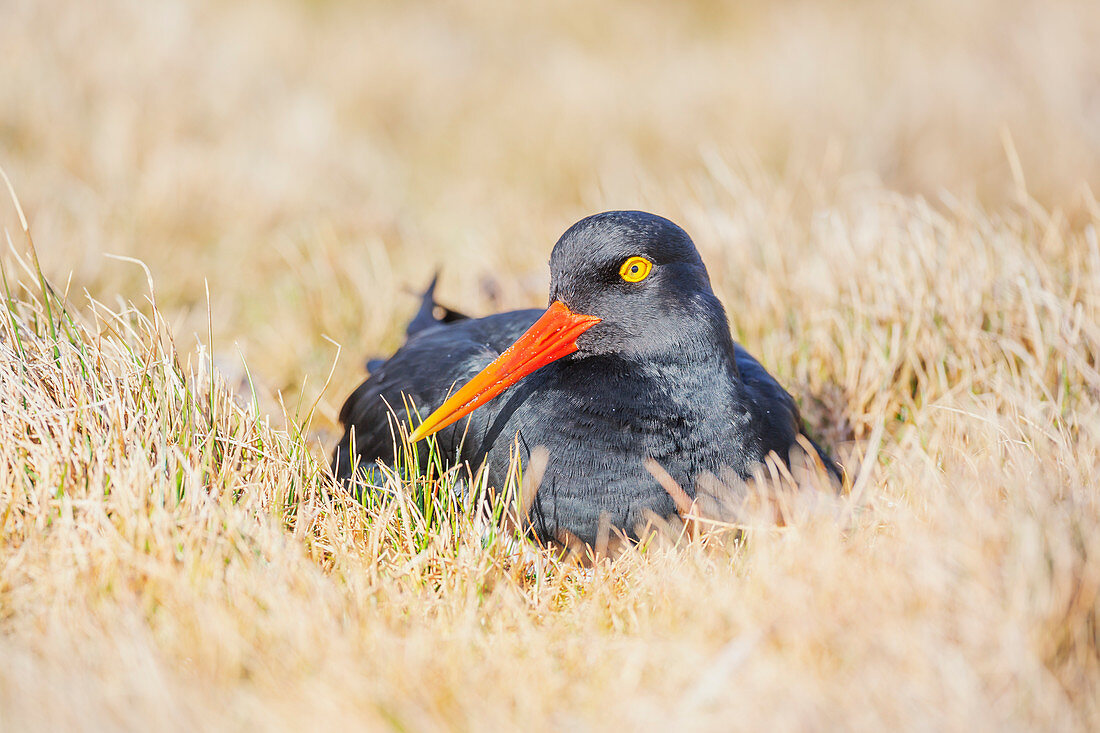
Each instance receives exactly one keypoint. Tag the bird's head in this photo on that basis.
(641, 275)
(622, 282)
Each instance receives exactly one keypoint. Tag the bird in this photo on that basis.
(632, 362)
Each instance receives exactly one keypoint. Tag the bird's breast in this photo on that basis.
(599, 432)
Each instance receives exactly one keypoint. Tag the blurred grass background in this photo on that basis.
(312, 161)
(897, 205)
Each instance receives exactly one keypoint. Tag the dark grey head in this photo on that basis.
(645, 308)
(623, 284)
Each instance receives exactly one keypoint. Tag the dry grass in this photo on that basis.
(894, 203)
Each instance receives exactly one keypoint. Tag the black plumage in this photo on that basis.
(658, 377)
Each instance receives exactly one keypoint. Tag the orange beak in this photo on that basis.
(552, 336)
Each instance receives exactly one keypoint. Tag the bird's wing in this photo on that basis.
(776, 410)
(782, 412)
(421, 374)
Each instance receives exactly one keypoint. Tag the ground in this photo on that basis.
(228, 205)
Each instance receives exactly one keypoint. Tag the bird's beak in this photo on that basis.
(552, 336)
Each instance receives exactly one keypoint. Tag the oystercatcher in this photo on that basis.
(632, 360)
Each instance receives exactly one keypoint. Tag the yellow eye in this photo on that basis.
(635, 269)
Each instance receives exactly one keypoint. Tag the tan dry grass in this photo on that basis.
(167, 555)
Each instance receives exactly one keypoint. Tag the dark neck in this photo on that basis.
(691, 393)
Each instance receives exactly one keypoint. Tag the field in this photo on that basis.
(218, 210)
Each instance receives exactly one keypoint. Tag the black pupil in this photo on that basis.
(634, 269)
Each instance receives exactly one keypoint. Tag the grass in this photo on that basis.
(910, 245)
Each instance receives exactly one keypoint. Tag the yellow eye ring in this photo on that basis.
(635, 269)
